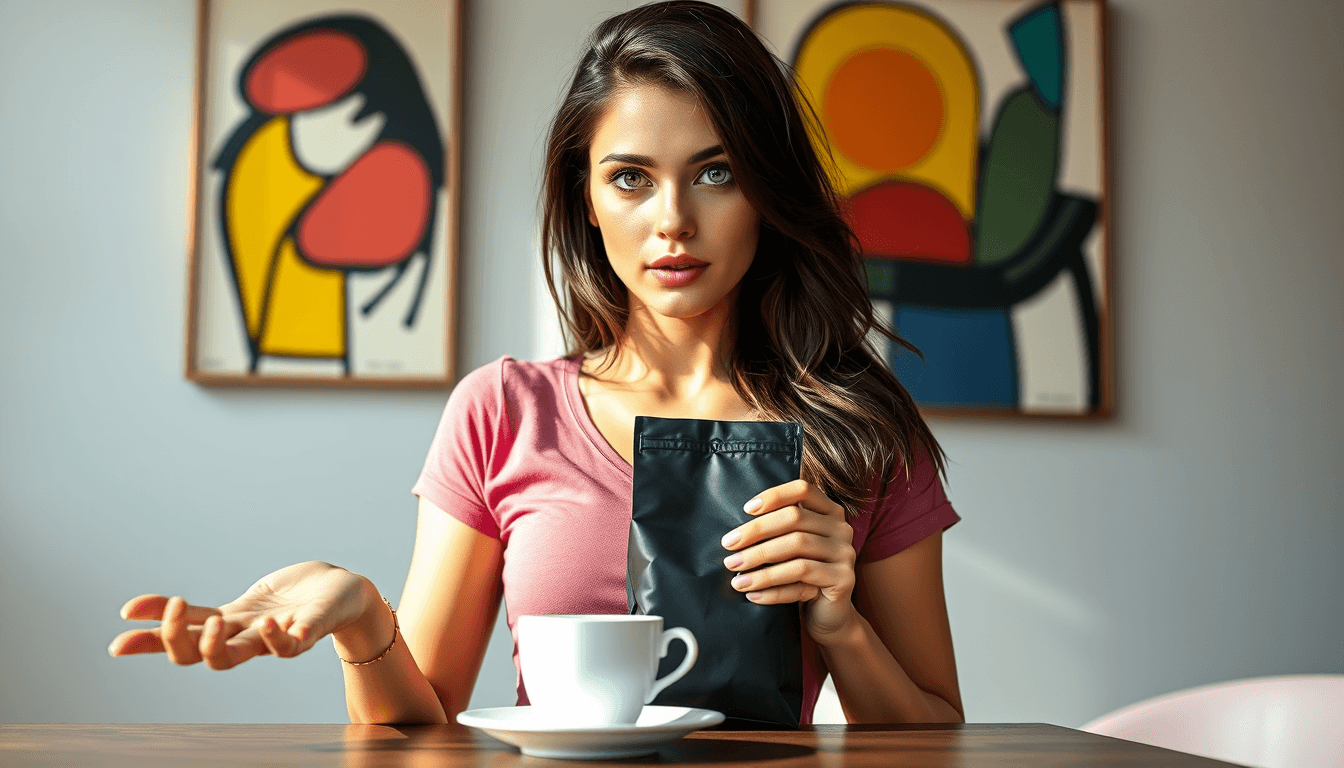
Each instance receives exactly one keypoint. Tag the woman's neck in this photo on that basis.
(674, 358)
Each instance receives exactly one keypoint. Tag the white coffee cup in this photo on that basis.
(592, 670)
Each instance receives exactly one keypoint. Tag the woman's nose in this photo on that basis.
(676, 219)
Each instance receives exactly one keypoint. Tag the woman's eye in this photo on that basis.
(627, 180)
(717, 175)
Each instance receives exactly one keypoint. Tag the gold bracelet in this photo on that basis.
(396, 630)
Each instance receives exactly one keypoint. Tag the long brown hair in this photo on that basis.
(803, 312)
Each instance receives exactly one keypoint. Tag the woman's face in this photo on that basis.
(677, 229)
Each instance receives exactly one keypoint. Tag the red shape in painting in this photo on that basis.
(372, 215)
(306, 72)
(909, 221)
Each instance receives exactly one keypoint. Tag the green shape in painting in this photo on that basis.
(1038, 38)
(881, 276)
(1018, 177)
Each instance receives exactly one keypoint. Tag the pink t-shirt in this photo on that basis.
(517, 457)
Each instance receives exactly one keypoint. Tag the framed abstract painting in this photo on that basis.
(325, 193)
(969, 139)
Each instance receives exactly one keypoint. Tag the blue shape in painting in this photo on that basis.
(1039, 40)
(969, 359)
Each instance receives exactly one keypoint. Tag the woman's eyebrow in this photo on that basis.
(706, 154)
(647, 161)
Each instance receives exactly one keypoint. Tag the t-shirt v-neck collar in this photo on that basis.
(579, 410)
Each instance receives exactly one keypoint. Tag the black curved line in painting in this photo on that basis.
(1054, 249)
(292, 233)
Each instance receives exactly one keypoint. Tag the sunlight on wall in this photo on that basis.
(1047, 641)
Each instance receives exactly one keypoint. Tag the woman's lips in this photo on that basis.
(677, 271)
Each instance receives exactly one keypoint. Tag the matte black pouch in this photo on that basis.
(692, 477)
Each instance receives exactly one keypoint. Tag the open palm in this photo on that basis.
(282, 614)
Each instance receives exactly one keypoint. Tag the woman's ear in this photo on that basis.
(588, 202)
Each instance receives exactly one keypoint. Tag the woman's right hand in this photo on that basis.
(283, 614)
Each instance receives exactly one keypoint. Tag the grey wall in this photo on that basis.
(1194, 538)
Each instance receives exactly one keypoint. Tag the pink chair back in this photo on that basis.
(1268, 722)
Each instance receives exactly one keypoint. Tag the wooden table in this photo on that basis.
(450, 746)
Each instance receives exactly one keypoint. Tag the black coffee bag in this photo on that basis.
(692, 477)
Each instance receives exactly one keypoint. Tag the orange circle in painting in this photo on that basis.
(884, 109)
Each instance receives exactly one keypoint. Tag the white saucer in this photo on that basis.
(539, 736)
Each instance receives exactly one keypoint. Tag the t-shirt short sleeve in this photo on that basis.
(911, 511)
(455, 475)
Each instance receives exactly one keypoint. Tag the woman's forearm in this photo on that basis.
(873, 686)
(391, 689)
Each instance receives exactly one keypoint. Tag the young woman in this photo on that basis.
(702, 268)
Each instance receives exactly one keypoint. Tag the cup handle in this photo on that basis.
(692, 652)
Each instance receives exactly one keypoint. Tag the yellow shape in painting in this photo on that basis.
(890, 69)
(305, 312)
(266, 188)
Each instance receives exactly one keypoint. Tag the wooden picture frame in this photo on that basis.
(325, 192)
(970, 139)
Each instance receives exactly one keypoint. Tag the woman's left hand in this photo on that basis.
(798, 549)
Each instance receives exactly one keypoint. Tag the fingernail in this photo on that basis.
(733, 561)
(752, 506)
(753, 596)
(730, 538)
(741, 581)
